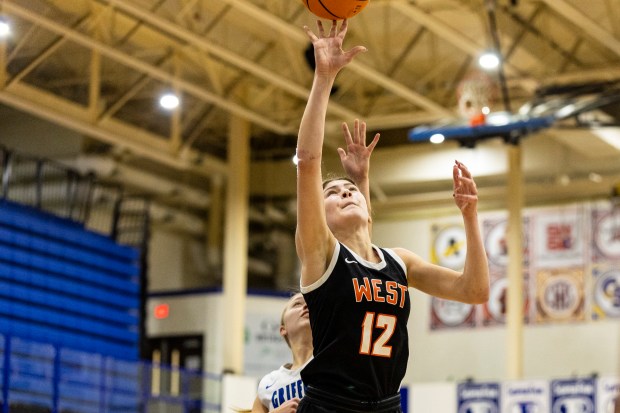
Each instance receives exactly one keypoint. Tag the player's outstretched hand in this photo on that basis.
(355, 158)
(465, 192)
(328, 54)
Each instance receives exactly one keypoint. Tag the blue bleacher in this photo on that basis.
(55, 248)
(70, 288)
(77, 306)
(65, 285)
(83, 274)
(49, 226)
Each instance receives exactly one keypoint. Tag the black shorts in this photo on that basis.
(319, 401)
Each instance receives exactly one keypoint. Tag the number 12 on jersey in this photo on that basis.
(379, 347)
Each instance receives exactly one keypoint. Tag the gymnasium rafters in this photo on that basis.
(98, 67)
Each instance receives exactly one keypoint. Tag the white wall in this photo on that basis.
(550, 351)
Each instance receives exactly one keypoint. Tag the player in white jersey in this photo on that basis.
(281, 390)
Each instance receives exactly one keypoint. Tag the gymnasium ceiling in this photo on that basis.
(97, 67)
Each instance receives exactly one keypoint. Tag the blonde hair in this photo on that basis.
(293, 294)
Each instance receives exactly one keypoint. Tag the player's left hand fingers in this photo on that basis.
(347, 133)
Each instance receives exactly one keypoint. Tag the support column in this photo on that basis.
(94, 86)
(514, 314)
(215, 227)
(236, 244)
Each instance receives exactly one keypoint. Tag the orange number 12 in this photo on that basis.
(379, 348)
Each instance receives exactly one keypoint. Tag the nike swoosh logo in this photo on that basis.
(266, 387)
(350, 261)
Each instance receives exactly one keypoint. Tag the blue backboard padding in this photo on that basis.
(56, 283)
(424, 133)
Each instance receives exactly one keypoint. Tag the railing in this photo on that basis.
(64, 192)
(40, 377)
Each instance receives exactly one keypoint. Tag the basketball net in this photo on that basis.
(475, 94)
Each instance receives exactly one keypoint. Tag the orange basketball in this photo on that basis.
(335, 9)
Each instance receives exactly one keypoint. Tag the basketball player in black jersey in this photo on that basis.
(357, 293)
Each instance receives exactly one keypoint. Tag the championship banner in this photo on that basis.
(478, 397)
(525, 396)
(605, 291)
(558, 239)
(494, 310)
(265, 350)
(451, 314)
(573, 396)
(494, 233)
(605, 234)
(560, 295)
(449, 246)
(607, 393)
(449, 249)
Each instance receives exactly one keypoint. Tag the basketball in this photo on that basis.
(335, 9)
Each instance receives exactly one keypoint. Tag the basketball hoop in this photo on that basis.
(476, 93)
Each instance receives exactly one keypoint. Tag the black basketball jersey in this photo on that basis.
(358, 314)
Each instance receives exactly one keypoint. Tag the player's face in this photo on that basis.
(343, 200)
(296, 317)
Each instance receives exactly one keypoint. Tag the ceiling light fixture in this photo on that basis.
(5, 28)
(437, 138)
(169, 101)
(489, 61)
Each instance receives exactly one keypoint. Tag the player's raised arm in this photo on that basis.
(355, 159)
(472, 284)
(314, 241)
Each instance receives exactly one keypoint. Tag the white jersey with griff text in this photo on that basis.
(358, 315)
(280, 386)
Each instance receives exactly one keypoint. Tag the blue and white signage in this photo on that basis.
(607, 393)
(478, 397)
(573, 396)
(525, 396)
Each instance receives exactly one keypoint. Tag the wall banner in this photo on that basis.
(573, 396)
(265, 349)
(525, 396)
(607, 393)
(478, 397)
